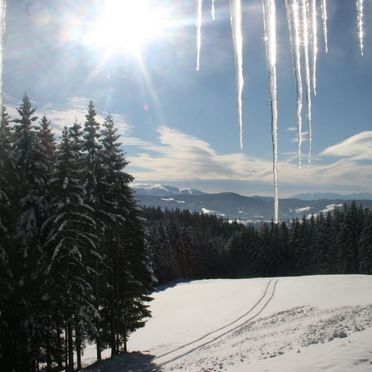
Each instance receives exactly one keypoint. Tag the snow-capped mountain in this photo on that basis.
(234, 206)
(163, 190)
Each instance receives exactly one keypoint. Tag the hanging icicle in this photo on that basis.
(303, 23)
(294, 25)
(213, 10)
(324, 22)
(2, 31)
(199, 33)
(305, 42)
(269, 12)
(237, 33)
(360, 21)
(314, 38)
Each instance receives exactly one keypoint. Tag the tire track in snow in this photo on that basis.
(256, 305)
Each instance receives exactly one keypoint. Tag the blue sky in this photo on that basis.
(179, 126)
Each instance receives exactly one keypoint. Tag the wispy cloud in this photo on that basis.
(357, 147)
(175, 156)
(183, 157)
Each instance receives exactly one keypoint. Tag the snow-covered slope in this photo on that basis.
(314, 323)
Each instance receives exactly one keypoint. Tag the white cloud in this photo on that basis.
(182, 157)
(357, 147)
(177, 156)
(75, 108)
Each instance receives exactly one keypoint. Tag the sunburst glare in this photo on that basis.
(126, 25)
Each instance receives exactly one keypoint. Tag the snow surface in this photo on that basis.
(313, 323)
(304, 209)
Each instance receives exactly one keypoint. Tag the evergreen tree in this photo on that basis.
(124, 243)
(137, 284)
(365, 246)
(28, 257)
(348, 241)
(5, 184)
(322, 247)
(76, 139)
(92, 149)
(70, 245)
(47, 142)
(6, 277)
(93, 172)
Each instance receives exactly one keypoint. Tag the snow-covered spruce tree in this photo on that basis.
(243, 248)
(27, 258)
(47, 142)
(70, 246)
(93, 173)
(6, 174)
(161, 255)
(6, 279)
(137, 284)
(128, 278)
(348, 241)
(323, 244)
(76, 139)
(365, 246)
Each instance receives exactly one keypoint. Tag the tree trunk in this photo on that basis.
(112, 331)
(78, 347)
(125, 342)
(48, 356)
(98, 336)
(66, 349)
(60, 349)
(70, 349)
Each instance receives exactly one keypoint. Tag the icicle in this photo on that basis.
(213, 10)
(294, 25)
(2, 31)
(269, 11)
(199, 33)
(314, 35)
(360, 19)
(237, 32)
(305, 37)
(324, 21)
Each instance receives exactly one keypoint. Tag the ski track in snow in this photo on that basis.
(261, 305)
(307, 324)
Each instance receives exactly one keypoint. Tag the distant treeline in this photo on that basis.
(191, 245)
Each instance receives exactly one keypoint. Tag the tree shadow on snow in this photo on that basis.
(126, 362)
(171, 284)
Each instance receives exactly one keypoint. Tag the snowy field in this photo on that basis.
(313, 323)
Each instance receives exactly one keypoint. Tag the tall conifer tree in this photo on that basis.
(28, 257)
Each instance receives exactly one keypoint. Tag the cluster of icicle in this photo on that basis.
(304, 18)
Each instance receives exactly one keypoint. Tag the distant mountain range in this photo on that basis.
(163, 190)
(249, 209)
(333, 196)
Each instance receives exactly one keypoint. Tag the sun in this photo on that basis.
(126, 25)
